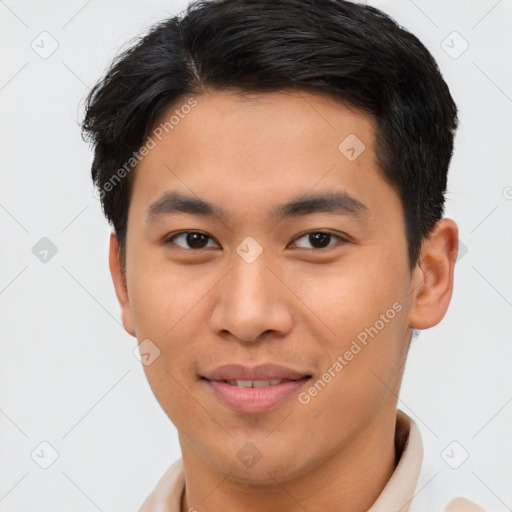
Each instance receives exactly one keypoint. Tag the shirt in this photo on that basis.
(401, 493)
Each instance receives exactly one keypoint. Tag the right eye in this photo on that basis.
(196, 240)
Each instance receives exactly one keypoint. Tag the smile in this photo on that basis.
(254, 396)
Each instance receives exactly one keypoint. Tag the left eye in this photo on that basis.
(319, 239)
(197, 240)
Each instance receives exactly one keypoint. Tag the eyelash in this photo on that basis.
(169, 239)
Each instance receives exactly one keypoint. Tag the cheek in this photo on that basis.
(359, 378)
(172, 392)
(164, 306)
(366, 317)
(163, 295)
(349, 299)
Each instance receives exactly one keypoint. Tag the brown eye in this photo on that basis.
(318, 240)
(191, 240)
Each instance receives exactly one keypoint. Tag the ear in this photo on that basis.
(432, 283)
(119, 279)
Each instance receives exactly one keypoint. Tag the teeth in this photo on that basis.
(244, 383)
(254, 383)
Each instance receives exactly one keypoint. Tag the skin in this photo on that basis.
(291, 306)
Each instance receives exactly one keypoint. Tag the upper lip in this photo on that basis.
(261, 372)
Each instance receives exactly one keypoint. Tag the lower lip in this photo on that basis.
(255, 400)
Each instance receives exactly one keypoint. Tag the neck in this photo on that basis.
(350, 480)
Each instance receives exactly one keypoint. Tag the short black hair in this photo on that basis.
(351, 52)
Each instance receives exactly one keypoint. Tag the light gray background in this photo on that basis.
(68, 375)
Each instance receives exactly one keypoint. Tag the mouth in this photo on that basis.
(254, 396)
(258, 383)
(263, 374)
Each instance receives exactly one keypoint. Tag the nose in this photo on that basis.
(252, 300)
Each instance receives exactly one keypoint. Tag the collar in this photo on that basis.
(398, 493)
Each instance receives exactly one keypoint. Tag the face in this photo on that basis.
(320, 287)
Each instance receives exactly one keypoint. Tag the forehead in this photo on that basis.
(251, 152)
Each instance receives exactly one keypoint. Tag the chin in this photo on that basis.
(262, 470)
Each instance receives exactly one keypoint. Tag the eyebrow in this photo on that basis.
(337, 202)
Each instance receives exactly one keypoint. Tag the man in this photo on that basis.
(275, 175)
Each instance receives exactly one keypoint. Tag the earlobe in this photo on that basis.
(119, 280)
(432, 285)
